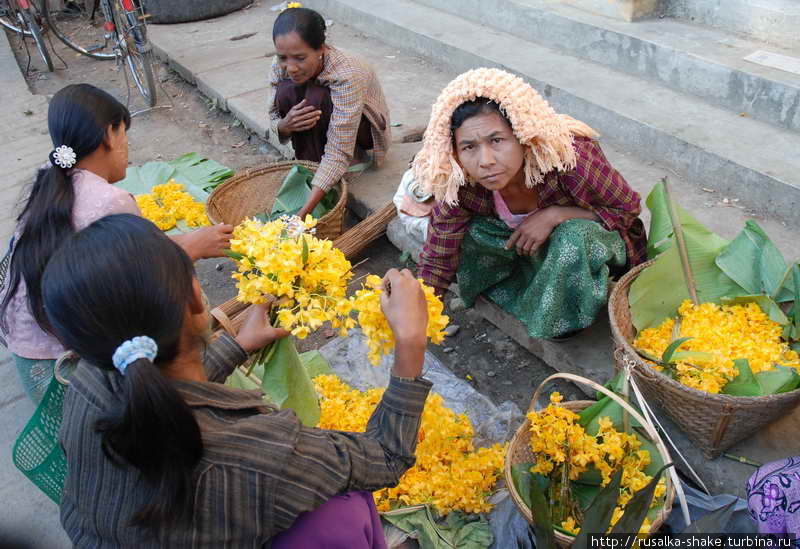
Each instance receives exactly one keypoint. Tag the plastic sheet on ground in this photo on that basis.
(492, 423)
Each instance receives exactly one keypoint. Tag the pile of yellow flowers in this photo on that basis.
(367, 302)
(558, 440)
(169, 203)
(450, 473)
(725, 333)
(309, 278)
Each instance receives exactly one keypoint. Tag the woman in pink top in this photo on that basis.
(89, 132)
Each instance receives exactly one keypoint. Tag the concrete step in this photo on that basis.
(775, 21)
(706, 62)
(708, 145)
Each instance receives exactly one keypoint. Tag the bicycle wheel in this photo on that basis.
(8, 18)
(36, 33)
(137, 52)
(82, 28)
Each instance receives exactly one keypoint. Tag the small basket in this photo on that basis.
(253, 192)
(713, 422)
(519, 451)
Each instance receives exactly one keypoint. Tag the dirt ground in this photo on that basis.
(479, 352)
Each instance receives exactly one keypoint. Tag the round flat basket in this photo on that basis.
(519, 451)
(253, 191)
(714, 422)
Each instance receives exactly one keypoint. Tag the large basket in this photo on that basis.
(713, 422)
(253, 191)
(519, 451)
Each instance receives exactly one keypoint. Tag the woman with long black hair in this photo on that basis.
(161, 454)
(89, 132)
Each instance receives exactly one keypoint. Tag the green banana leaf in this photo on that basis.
(293, 194)
(779, 380)
(659, 290)
(792, 330)
(198, 170)
(597, 517)
(286, 379)
(638, 508)
(661, 232)
(456, 530)
(756, 264)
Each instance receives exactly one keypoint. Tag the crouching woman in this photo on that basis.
(528, 210)
(161, 454)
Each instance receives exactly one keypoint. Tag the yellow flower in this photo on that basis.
(294, 5)
(726, 333)
(445, 451)
(169, 203)
(380, 338)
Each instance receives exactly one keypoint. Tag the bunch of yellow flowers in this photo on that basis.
(725, 333)
(450, 473)
(307, 275)
(169, 203)
(558, 440)
(283, 259)
(367, 302)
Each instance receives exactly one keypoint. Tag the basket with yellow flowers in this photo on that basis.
(582, 467)
(710, 328)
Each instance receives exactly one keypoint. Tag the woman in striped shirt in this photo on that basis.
(160, 453)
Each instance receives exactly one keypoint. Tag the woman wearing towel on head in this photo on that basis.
(328, 103)
(528, 210)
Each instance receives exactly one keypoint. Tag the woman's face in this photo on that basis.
(118, 157)
(300, 61)
(488, 151)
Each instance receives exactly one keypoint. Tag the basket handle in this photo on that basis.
(651, 432)
(224, 320)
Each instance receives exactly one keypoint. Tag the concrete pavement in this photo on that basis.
(27, 516)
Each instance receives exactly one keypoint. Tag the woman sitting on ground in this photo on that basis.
(161, 454)
(528, 210)
(327, 102)
(89, 132)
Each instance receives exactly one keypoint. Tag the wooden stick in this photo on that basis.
(681, 243)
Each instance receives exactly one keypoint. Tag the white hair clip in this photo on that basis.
(64, 156)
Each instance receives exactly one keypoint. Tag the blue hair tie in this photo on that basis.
(132, 350)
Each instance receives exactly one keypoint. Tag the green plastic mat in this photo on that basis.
(37, 452)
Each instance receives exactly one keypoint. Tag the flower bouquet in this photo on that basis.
(307, 280)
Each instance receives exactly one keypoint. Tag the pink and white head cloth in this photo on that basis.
(546, 134)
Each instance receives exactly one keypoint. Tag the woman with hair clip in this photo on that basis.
(89, 132)
(161, 454)
(328, 103)
(528, 210)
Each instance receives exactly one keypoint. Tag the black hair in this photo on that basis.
(472, 108)
(309, 24)
(119, 278)
(78, 117)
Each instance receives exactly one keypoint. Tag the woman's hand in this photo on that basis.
(257, 332)
(206, 242)
(534, 231)
(403, 302)
(300, 118)
(536, 228)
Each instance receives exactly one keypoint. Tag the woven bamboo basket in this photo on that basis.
(253, 192)
(714, 422)
(229, 316)
(519, 451)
